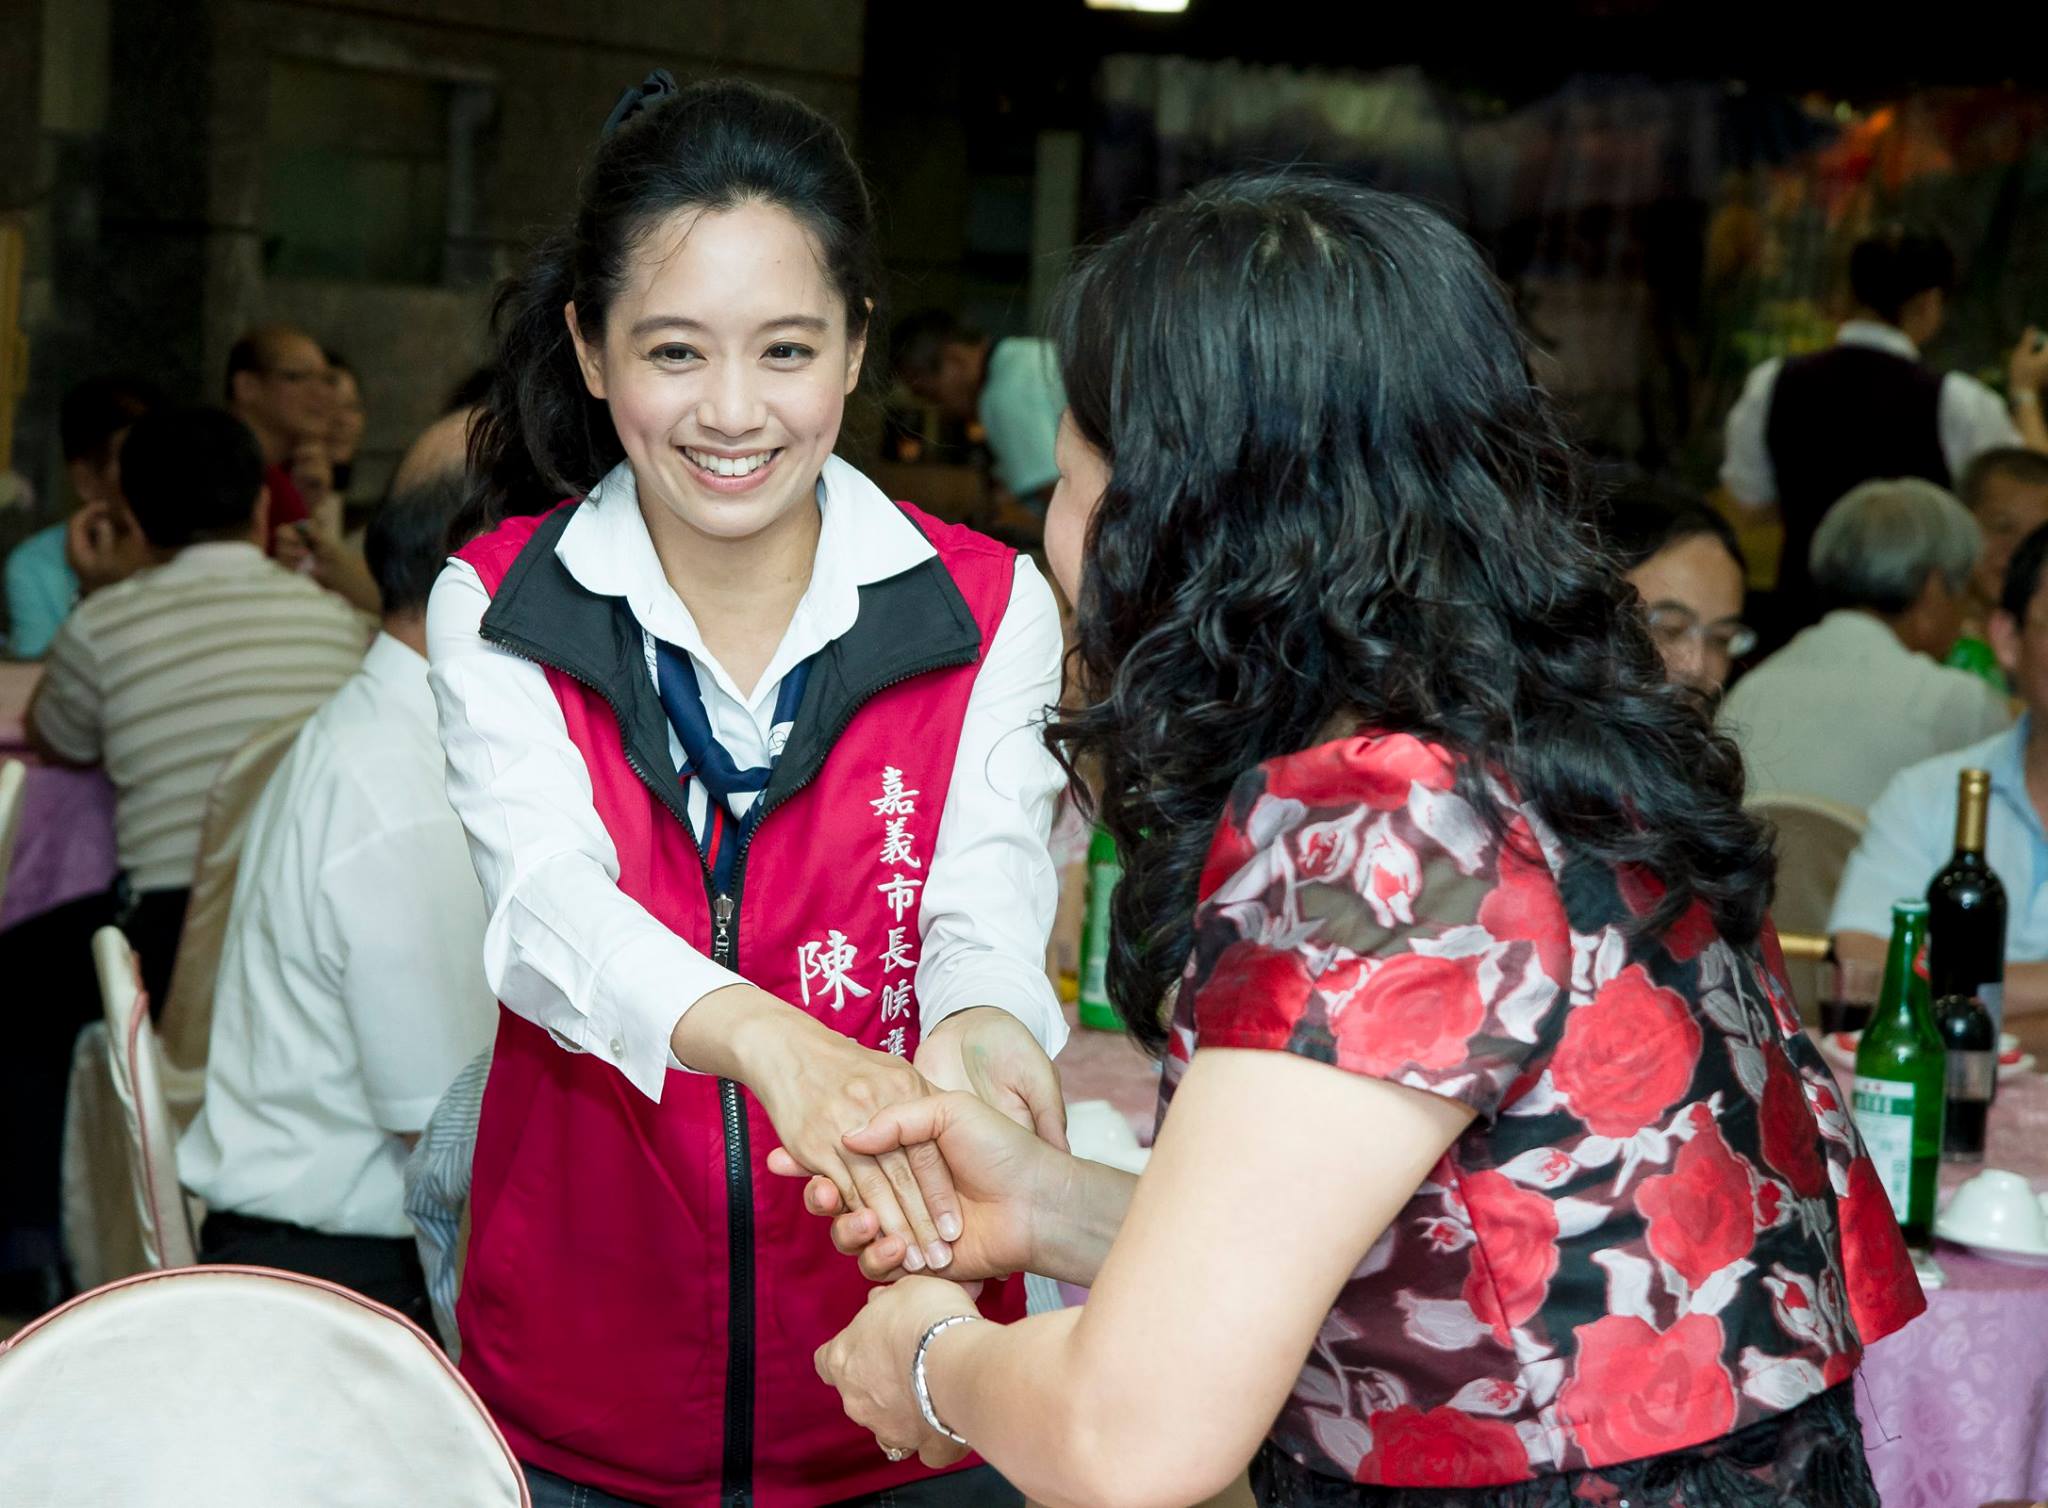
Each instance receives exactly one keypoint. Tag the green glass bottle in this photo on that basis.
(1103, 873)
(1902, 1078)
(1975, 655)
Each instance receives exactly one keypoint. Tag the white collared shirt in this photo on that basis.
(569, 950)
(1973, 419)
(351, 987)
(1845, 706)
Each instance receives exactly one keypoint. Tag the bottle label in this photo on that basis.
(1992, 993)
(1971, 1075)
(1883, 1110)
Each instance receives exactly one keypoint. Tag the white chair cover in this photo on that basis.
(102, 1232)
(134, 1063)
(13, 781)
(185, 1024)
(1814, 838)
(241, 1387)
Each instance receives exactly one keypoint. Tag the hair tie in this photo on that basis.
(650, 91)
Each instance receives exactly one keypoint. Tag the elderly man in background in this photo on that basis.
(279, 384)
(1862, 694)
(1912, 825)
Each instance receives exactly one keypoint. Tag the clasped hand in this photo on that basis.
(998, 1149)
(1002, 1176)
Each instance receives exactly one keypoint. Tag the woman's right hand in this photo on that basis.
(816, 1087)
(1004, 1177)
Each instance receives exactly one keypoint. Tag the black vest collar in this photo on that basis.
(913, 623)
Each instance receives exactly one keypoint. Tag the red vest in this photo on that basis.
(642, 1298)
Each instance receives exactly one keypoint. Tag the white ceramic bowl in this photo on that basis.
(1996, 1208)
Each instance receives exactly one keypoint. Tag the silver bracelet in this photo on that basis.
(918, 1384)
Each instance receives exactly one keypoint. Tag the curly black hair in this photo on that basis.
(1339, 500)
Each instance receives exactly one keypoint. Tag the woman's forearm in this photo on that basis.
(1079, 1220)
(1020, 1394)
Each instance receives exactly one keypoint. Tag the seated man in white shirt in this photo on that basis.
(351, 985)
(1912, 826)
(1861, 695)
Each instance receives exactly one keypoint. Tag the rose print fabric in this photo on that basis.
(1808, 1457)
(1661, 1227)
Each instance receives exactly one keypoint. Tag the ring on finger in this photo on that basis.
(897, 1453)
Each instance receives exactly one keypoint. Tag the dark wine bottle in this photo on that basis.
(1966, 910)
(1972, 1042)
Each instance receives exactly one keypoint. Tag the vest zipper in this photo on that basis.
(737, 1471)
(736, 1488)
(736, 1485)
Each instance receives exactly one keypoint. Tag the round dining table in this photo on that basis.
(1954, 1406)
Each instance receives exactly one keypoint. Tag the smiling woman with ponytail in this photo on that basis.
(749, 762)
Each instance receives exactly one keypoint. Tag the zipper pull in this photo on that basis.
(721, 930)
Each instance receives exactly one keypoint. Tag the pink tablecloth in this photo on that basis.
(65, 846)
(1955, 1406)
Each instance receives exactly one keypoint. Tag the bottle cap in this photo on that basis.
(1909, 906)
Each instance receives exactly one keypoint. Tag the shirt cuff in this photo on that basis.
(630, 1023)
(1024, 992)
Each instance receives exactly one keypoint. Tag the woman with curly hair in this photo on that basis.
(1497, 1170)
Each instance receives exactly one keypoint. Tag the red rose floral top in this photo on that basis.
(1660, 1227)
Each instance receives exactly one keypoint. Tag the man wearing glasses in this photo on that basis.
(1684, 562)
(280, 386)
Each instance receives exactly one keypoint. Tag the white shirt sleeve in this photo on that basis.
(987, 908)
(1746, 463)
(564, 947)
(1902, 847)
(1974, 419)
(415, 995)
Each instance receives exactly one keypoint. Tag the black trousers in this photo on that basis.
(51, 992)
(384, 1268)
(977, 1487)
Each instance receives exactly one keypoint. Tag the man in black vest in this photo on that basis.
(1809, 428)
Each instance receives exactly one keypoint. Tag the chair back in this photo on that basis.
(234, 1387)
(135, 1065)
(186, 1021)
(1814, 838)
(13, 784)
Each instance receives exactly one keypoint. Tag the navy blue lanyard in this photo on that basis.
(705, 758)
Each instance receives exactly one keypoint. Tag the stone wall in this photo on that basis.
(160, 256)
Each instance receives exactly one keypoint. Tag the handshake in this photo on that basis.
(969, 1177)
